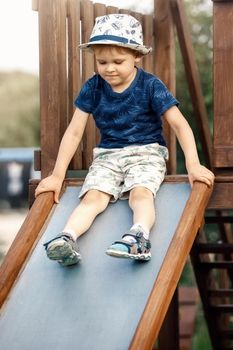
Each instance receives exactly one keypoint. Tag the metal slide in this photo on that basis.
(96, 305)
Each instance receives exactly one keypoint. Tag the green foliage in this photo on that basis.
(19, 109)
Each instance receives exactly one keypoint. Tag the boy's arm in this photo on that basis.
(69, 143)
(196, 171)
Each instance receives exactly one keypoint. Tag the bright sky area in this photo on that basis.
(19, 32)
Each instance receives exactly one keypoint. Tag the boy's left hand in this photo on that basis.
(200, 173)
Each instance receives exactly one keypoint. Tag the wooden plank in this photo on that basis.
(34, 5)
(216, 265)
(215, 248)
(188, 295)
(223, 84)
(222, 0)
(167, 279)
(222, 308)
(222, 196)
(224, 154)
(37, 160)
(188, 301)
(31, 192)
(170, 326)
(74, 64)
(148, 32)
(220, 293)
(193, 79)
(218, 219)
(139, 17)
(23, 243)
(101, 10)
(112, 10)
(89, 137)
(124, 11)
(164, 56)
(53, 84)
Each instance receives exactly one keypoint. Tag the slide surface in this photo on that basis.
(97, 304)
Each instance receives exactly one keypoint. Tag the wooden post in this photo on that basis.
(35, 5)
(53, 82)
(74, 67)
(223, 84)
(164, 53)
(170, 326)
(90, 136)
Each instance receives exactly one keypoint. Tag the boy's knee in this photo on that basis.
(140, 193)
(96, 198)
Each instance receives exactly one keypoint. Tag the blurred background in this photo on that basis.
(19, 106)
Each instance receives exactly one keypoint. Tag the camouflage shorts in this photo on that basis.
(116, 171)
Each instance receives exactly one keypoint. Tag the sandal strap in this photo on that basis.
(131, 235)
(128, 245)
(63, 235)
(141, 244)
(138, 237)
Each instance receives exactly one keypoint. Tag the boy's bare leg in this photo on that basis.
(135, 244)
(141, 201)
(63, 248)
(93, 203)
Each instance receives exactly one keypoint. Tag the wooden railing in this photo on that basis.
(23, 243)
(167, 279)
(63, 69)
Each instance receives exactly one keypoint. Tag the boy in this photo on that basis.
(127, 104)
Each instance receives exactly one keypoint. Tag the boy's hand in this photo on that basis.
(51, 183)
(200, 173)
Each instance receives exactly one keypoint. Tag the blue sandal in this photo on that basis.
(140, 250)
(63, 249)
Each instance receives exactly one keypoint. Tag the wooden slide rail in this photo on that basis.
(23, 243)
(168, 278)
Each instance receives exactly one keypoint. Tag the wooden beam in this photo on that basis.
(164, 55)
(90, 136)
(170, 326)
(222, 196)
(166, 282)
(74, 68)
(222, 0)
(223, 84)
(53, 82)
(34, 5)
(23, 243)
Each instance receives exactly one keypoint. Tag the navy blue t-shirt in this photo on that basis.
(132, 117)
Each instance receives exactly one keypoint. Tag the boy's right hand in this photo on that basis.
(51, 183)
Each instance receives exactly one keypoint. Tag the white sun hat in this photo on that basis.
(120, 30)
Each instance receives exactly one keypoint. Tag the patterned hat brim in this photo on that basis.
(136, 47)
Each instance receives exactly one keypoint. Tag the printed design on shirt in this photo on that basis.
(133, 117)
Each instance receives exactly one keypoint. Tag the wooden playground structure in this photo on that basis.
(62, 25)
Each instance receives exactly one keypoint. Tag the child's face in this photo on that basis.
(116, 66)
